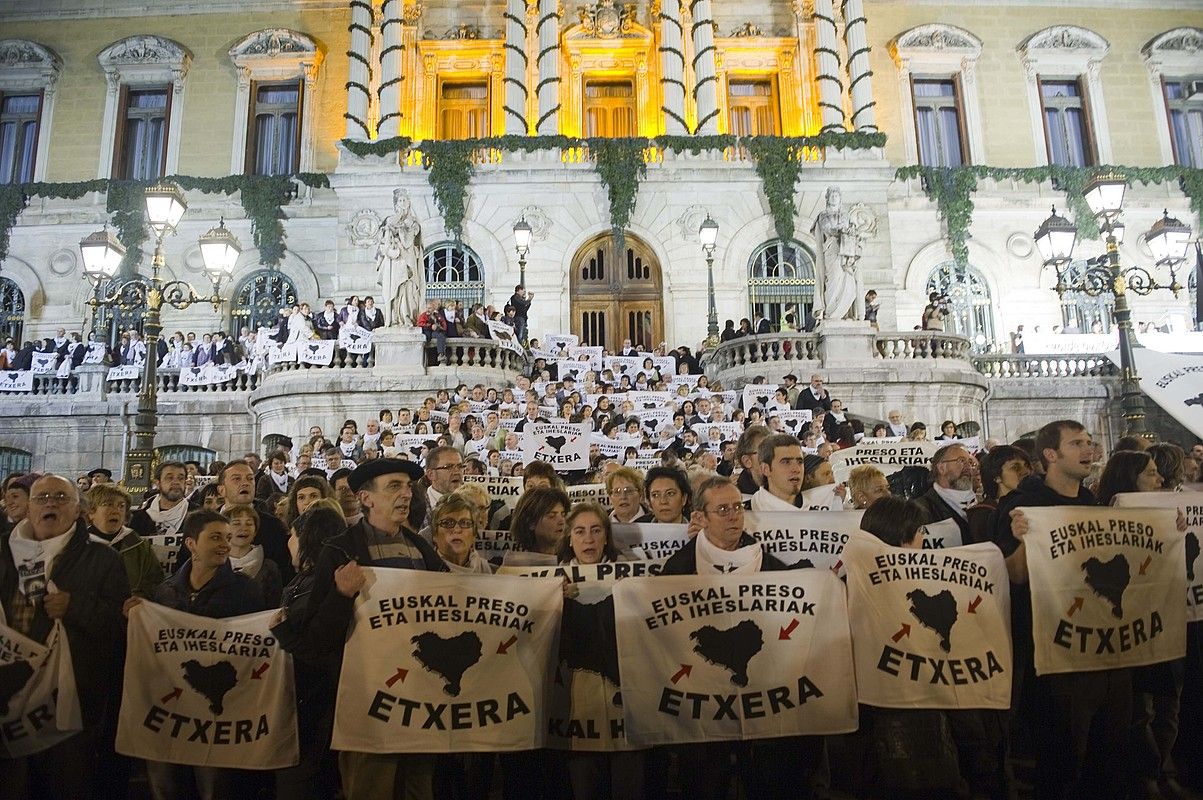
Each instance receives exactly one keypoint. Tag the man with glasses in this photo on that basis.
(51, 571)
(721, 547)
(951, 493)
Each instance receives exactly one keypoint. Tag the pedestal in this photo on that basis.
(399, 350)
(92, 379)
(846, 340)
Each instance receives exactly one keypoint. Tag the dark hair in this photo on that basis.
(1170, 460)
(338, 475)
(541, 469)
(1120, 474)
(221, 476)
(676, 476)
(196, 521)
(1049, 437)
(893, 520)
(1028, 445)
(305, 482)
(993, 463)
(167, 465)
(769, 444)
(531, 507)
(609, 551)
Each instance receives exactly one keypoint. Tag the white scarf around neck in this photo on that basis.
(250, 564)
(712, 559)
(35, 559)
(167, 523)
(959, 499)
(764, 500)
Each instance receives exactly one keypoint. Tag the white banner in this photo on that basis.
(95, 354)
(623, 365)
(617, 447)
(942, 535)
(590, 493)
(206, 692)
(17, 381)
(593, 356)
(794, 420)
(873, 451)
(650, 400)
(650, 540)
(318, 352)
(1174, 382)
(442, 663)
(929, 629)
(823, 498)
(278, 354)
(44, 363)
(734, 656)
(39, 706)
(1191, 506)
(758, 394)
(559, 343)
(654, 419)
(125, 372)
(504, 335)
(503, 488)
(355, 339)
(811, 539)
(1108, 587)
(564, 445)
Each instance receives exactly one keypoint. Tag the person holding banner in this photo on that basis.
(537, 524)
(382, 539)
(51, 572)
(454, 527)
(951, 492)
(588, 540)
(1002, 470)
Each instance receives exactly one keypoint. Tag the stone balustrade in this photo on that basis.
(1045, 366)
(484, 353)
(915, 345)
(169, 382)
(342, 360)
(784, 350)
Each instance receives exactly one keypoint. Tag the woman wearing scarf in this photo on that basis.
(107, 510)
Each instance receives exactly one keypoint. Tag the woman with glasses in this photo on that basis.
(453, 526)
(668, 494)
(625, 489)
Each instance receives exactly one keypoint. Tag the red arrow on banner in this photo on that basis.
(836, 566)
(256, 674)
(1077, 606)
(905, 630)
(504, 647)
(683, 672)
(1146, 564)
(175, 694)
(974, 604)
(400, 676)
(788, 629)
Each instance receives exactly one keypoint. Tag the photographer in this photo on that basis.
(935, 311)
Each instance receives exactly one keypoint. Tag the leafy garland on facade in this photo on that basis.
(620, 165)
(263, 199)
(952, 188)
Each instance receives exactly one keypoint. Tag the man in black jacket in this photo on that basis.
(382, 538)
(326, 322)
(51, 548)
(814, 396)
(520, 301)
(951, 493)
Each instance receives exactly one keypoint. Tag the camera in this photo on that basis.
(940, 301)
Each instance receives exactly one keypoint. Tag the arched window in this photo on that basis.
(184, 453)
(1079, 311)
(453, 272)
(970, 314)
(259, 298)
(781, 280)
(275, 441)
(12, 309)
(14, 460)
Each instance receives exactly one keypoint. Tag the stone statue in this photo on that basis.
(840, 233)
(399, 262)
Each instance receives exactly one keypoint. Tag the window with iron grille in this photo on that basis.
(258, 300)
(971, 313)
(453, 272)
(12, 310)
(13, 460)
(185, 452)
(781, 281)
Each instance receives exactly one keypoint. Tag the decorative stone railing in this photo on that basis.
(342, 360)
(1045, 366)
(485, 353)
(780, 349)
(169, 381)
(921, 345)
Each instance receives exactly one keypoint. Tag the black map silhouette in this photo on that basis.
(937, 612)
(555, 442)
(448, 658)
(651, 405)
(1195, 401)
(211, 682)
(313, 348)
(1192, 553)
(762, 401)
(12, 376)
(1109, 580)
(793, 423)
(588, 641)
(502, 335)
(13, 678)
(730, 649)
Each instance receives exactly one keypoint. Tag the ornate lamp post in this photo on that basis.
(102, 254)
(708, 236)
(1168, 239)
(522, 234)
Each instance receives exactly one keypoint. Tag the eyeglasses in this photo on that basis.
(57, 497)
(726, 510)
(459, 467)
(623, 491)
(452, 524)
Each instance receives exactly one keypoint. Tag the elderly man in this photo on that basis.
(814, 396)
(895, 425)
(51, 571)
(445, 472)
(781, 471)
(722, 547)
(951, 493)
(382, 538)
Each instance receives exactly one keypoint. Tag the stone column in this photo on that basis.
(860, 84)
(548, 32)
(672, 68)
(705, 89)
(359, 70)
(831, 88)
(515, 68)
(390, 70)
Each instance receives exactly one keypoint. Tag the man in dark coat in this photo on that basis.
(325, 322)
(520, 301)
(814, 396)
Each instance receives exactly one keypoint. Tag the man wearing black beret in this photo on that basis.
(382, 538)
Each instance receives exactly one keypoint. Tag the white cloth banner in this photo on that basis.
(623, 365)
(564, 445)
(125, 372)
(503, 488)
(823, 498)
(206, 692)
(929, 629)
(794, 420)
(319, 352)
(443, 663)
(758, 394)
(44, 363)
(653, 420)
(811, 539)
(16, 381)
(650, 400)
(96, 353)
(39, 706)
(1191, 506)
(734, 656)
(355, 339)
(1108, 587)
(504, 335)
(650, 540)
(1174, 382)
(942, 535)
(593, 356)
(589, 493)
(872, 451)
(614, 448)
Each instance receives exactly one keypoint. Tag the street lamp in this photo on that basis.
(522, 233)
(102, 255)
(708, 235)
(1168, 238)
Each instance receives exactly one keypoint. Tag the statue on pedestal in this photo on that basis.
(399, 262)
(840, 234)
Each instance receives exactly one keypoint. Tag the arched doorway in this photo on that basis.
(616, 296)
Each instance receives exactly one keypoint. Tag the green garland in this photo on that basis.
(620, 166)
(779, 165)
(379, 147)
(952, 188)
(449, 170)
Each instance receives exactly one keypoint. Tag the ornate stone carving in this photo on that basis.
(606, 19)
(1066, 37)
(937, 36)
(540, 223)
(144, 49)
(412, 13)
(273, 43)
(1184, 41)
(690, 221)
(745, 30)
(364, 228)
(463, 32)
(21, 53)
(63, 261)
